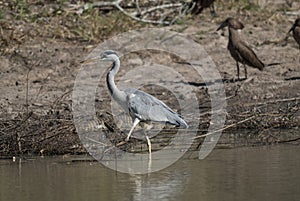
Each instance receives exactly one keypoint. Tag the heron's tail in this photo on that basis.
(178, 121)
(183, 124)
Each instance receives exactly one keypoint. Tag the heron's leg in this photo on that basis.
(135, 123)
(149, 144)
(238, 70)
(245, 68)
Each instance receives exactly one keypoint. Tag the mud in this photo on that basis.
(42, 44)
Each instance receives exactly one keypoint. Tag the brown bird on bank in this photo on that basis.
(239, 50)
(296, 31)
(198, 6)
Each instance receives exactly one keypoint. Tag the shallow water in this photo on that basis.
(259, 173)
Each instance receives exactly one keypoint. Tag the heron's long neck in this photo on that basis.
(117, 94)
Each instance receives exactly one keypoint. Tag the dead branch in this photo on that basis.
(57, 100)
(157, 8)
(282, 41)
(141, 15)
(139, 19)
(293, 13)
(15, 126)
(274, 101)
(226, 127)
(287, 141)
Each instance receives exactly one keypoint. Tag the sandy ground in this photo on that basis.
(39, 63)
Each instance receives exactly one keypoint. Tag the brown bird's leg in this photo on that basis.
(238, 70)
(245, 68)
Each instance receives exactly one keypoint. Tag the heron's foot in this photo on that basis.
(127, 139)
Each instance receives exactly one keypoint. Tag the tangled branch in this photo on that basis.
(163, 12)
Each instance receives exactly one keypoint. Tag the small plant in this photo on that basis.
(21, 8)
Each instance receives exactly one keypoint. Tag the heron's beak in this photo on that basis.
(90, 60)
(293, 27)
(224, 24)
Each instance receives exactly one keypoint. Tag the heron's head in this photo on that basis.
(231, 22)
(109, 55)
(296, 24)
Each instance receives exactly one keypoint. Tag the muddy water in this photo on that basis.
(263, 173)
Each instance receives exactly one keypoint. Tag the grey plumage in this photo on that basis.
(148, 108)
(142, 107)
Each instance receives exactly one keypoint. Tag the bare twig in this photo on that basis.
(61, 97)
(20, 123)
(280, 41)
(274, 101)
(109, 3)
(27, 84)
(226, 127)
(139, 19)
(295, 13)
(138, 6)
(27, 90)
(291, 140)
(97, 141)
(158, 8)
(139, 15)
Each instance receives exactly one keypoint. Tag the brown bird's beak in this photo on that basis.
(224, 24)
(293, 27)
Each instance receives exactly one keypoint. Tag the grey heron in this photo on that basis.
(141, 106)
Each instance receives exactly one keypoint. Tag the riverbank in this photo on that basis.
(42, 46)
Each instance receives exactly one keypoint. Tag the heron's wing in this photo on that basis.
(249, 55)
(148, 108)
